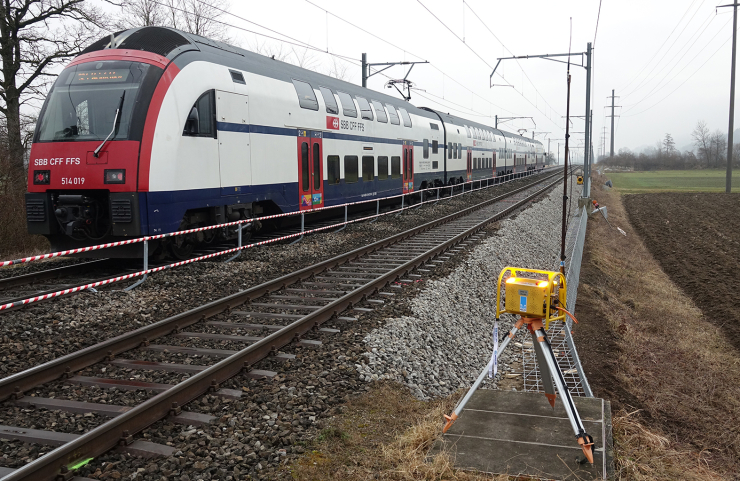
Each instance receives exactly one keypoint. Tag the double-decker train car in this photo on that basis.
(153, 130)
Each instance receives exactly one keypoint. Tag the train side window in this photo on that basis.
(332, 169)
(201, 121)
(426, 149)
(435, 146)
(392, 114)
(467, 130)
(365, 110)
(459, 151)
(380, 112)
(348, 105)
(406, 118)
(329, 100)
(435, 164)
(306, 95)
(449, 150)
(350, 169)
(304, 167)
(396, 167)
(382, 167)
(368, 167)
(434, 126)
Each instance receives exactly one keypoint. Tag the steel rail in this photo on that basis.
(54, 273)
(108, 435)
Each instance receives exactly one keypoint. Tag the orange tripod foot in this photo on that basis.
(551, 399)
(587, 445)
(450, 421)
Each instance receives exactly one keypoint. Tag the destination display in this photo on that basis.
(100, 76)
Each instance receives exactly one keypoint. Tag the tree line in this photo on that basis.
(710, 152)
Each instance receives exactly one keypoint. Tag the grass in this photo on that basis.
(383, 434)
(673, 364)
(708, 180)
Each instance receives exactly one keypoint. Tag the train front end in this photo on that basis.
(84, 163)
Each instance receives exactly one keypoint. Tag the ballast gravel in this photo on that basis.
(276, 419)
(446, 341)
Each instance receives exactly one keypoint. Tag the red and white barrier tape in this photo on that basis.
(32, 300)
(246, 221)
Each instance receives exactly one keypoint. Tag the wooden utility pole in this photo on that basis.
(728, 176)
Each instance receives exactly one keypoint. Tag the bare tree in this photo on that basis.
(305, 59)
(669, 145)
(141, 13)
(338, 69)
(702, 140)
(36, 35)
(200, 17)
(277, 52)
(719, 147)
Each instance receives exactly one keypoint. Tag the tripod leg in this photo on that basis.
(584, 439)
(544, 371)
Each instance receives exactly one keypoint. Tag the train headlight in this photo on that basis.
(41, 177)
(115, 176)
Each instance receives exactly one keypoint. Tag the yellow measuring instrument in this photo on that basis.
(538, 298)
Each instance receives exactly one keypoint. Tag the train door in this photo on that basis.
(470, 165)
(408, 166)
(310, 170)
(493, 162)
(232, 114)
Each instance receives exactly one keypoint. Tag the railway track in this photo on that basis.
(256, 322)
(41, 283)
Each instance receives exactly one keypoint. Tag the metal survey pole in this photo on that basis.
(587, 157)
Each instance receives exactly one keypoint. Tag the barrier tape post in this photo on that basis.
(303, 225)
(403, 198)
(377, 211)
(146, 268)
(345, 221)
(239, 244)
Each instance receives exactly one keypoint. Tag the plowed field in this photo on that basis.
(696, 239)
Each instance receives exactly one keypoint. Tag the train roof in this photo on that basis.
(184, 48)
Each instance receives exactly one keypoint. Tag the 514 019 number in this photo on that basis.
(73, 180)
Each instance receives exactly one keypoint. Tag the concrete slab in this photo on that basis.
(518, 433)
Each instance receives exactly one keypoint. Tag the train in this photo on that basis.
(153, 130)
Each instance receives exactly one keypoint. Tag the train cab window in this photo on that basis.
(396, 167)
(348, 105)
(382, 167)
(365, 110)
(237, 77)
(329, 100)
(435, 146)
(350, 169)
(380, 112)
(368, 167)
(306, 95)
(426, 149)
(305, 185)
(406, 118)
(332, 169)
(392, 114)
(201, 121)
(449, 150)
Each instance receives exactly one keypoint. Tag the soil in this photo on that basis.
(696, 240)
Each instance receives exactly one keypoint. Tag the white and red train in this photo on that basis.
(153, 130)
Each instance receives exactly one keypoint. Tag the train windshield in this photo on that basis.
(83, 102)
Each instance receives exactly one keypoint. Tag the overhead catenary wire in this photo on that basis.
(485, 62)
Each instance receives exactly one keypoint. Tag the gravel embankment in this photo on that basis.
(443, 345)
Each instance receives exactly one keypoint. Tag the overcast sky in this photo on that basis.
(669, 62)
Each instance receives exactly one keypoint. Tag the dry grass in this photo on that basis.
(384, 434)
(675, 364)
(14, 240)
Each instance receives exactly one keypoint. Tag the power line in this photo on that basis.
(597, 23)
(484, 61)
(661, 46)
(684, 68)
(681, 84)
(700, 31)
